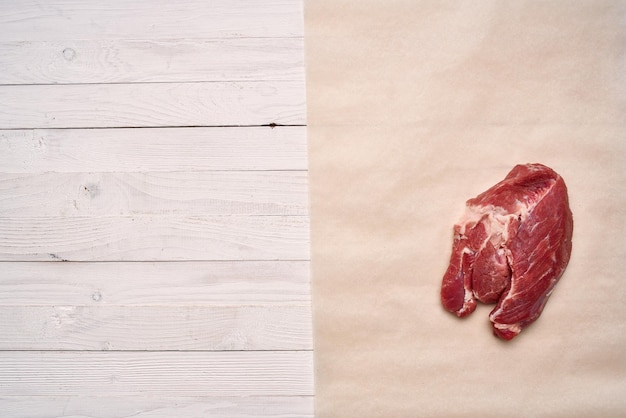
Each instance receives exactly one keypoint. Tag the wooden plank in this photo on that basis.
(156, 407)
(171, 373)
(268, 327)
(30, 20)
(174, 193)
(158, 149)
(152, 105)
(155, 238)
(192, 283)
(131, 61)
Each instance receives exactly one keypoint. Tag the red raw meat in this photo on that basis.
(511, 247)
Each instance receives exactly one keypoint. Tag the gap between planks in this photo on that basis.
(54, 260)
(70, 128)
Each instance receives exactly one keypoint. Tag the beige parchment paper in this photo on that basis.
(414, 107)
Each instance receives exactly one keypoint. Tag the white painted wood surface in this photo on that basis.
(154, 328)
(199, 283)
(31, 20)
(154, 229)
(250, 103)
(195, 193)
(158, 407)
(133, 61)
(173, 373)
(159, 149)
(154, 238)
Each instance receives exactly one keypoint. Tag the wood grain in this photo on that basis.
(193, 283)
(161, 148)
(153, 149)
(155, 238)
(171, 373)
(137, 61)
(169, 327)
(174, 193)
(29, 20)
(152, 105)
(144, 406)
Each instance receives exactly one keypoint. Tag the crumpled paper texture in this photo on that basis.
(414, 107)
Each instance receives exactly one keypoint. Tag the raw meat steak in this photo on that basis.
(511, 247)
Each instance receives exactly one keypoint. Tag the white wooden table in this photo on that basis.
(154, 227)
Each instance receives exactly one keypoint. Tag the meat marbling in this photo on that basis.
(511, 247)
